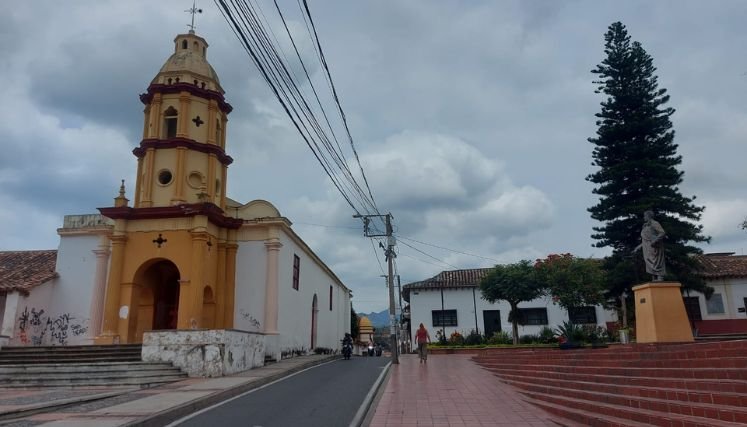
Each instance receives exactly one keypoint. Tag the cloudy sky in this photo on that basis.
(471, 120)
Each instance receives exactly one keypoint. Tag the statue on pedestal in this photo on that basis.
(652, 243)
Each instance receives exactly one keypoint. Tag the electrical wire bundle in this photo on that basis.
(249, 24)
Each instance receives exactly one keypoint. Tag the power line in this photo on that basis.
(446, 249)
(376, 252)
(251, 29)
(429, 255)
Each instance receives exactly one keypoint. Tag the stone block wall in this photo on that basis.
(206, 352)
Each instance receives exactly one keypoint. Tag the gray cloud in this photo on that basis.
(472, 119)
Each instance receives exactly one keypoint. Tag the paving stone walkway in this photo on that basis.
(451, 390)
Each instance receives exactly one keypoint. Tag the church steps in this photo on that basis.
(63, 348)
(118, 365)
(146, 381)
(82, 367)
(707, 410)
(615, 388)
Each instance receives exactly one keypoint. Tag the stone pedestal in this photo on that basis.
(206, 352)
(660, 314)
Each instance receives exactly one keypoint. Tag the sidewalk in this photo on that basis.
(451, 390)
(157, 406)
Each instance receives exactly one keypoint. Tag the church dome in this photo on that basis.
(364, 325)
(188, 64)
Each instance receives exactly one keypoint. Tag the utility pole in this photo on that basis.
(390, 255)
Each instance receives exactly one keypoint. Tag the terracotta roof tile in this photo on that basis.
(469, 278)
(719, 266)
(23, 270)
(722, 265)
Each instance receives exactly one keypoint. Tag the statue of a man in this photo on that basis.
(652, 243)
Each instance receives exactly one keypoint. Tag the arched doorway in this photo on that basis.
(162, 279)
(314, 311)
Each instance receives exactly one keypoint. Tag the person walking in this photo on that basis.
(422, 338)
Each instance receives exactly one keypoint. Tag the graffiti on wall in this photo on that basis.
(254, 323)
(36, 327)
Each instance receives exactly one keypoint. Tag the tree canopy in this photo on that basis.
(637, 165)
(513, 283)
(573, 282)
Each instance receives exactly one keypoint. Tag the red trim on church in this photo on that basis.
(212, 211)
(191, 144)
(154, 88)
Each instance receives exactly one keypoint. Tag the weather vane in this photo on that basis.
(193, 11)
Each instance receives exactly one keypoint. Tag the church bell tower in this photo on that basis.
(173, 252)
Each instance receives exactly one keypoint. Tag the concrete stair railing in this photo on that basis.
(700, 384)
(76, 366)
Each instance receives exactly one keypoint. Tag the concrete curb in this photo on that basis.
(174, 413)
(363, 411)
(12, 415)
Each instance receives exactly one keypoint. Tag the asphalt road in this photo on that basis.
(328, 395)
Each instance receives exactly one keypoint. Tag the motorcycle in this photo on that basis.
(370, 350)
(378, 350)
(347, 349)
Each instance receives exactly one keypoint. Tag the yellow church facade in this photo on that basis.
(182, 256)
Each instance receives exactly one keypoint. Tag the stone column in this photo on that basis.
(230, 288)
(179, 174)
(99, 287)
(220, 288)
(273, 246)
(183, 120)
(130, 301)
(109, 334)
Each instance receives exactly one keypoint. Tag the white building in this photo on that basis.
(451, 301)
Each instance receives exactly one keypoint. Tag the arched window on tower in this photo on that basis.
(184, 44)
(170, 119)
(218, 132)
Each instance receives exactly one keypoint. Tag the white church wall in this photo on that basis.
(295, 306)
(251, 275)
(73, 290)
(57, 312)
(424, 301)
(31, 325)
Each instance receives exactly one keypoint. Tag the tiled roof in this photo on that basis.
(715, 266)
(448, 279)
(23, 270)
(720, 266)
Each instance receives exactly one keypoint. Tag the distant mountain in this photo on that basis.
(377, 319)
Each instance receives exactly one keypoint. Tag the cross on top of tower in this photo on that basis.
(193, 11)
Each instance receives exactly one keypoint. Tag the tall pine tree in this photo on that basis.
(638, 169)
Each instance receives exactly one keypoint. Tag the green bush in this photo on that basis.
(546, 335)
(473, 338)
(571, 332)
(528, 339)
(441, 338)
(500, 337)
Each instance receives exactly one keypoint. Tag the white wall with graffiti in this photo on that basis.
(56, 312)
(249, 297)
